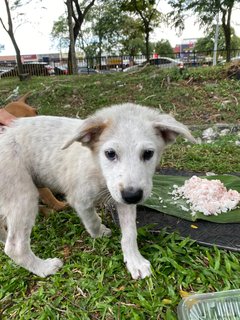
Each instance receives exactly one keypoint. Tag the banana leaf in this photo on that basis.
(163, 185)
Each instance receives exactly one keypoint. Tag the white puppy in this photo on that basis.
(116, 151)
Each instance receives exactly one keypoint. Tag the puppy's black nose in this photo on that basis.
(131, 195)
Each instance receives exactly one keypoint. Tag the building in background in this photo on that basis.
(30, 58)
(186, 46)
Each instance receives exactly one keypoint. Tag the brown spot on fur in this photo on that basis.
(168, 136)
(90, 133)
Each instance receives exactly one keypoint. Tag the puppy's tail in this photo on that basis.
(24, 97)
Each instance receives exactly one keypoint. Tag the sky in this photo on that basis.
(34, 37)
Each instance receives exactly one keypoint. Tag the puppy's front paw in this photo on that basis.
(139, 267)
(102, 232)
(48, 267)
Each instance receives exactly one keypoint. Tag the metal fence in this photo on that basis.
(188, 58)
(90, 65)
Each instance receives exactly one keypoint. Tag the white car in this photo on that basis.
(234, 59)
(166, 62)
(134, 67)
(161, 62)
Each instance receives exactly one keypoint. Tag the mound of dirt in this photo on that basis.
(233, 70)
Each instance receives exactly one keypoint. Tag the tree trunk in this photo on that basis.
(72, 63)
(10, 32)
(100, 51)
(226, 24)
(78, 16)
(147, 45)
(227, 34)
(18, 56)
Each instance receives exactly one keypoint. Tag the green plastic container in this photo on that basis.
(223, 305)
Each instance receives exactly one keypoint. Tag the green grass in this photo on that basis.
(196, 97)
(94, 283)
(220, 156)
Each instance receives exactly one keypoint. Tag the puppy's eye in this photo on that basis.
(147, 155)
(111, 154)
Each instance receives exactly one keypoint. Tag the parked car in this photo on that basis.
(4, 72)
(86, 70)
(32, 69)
(60, 70)
(166, 62)
(162, 62)
(134, 67)
(234, 59)
(50, 70)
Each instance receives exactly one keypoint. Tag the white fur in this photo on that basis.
(71, 156)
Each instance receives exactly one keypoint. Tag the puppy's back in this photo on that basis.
(36, 143)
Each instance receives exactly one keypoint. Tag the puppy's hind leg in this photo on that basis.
(49, 199)
(20, 221)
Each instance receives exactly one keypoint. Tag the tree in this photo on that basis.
(8, 27)
(164, 48)
(115, 30)
(85, 40)
(148, 14)
(132, 37)
(60, 34)
(206, 43)
(72, 62)
(206, 11)
(106, 19)
(106, 27)
(77, 11)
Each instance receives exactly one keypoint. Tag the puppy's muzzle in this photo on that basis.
(131, 195)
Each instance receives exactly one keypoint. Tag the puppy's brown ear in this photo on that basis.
(88, 133)
(169, 129)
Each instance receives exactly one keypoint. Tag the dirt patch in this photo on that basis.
(233, 71)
